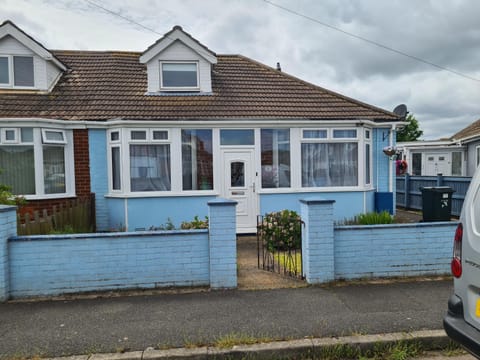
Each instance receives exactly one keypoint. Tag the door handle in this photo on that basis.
(253, 186)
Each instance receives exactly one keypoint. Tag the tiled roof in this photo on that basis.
(107, 85)
(471, 130)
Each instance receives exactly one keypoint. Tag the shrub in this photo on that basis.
(281, 230)
(196, 223)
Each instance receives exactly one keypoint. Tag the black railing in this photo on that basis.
(279, 245)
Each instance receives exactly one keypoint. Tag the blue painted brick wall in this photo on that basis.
(8, 228)
(393, 250)
(317, 239)
(223, 243)
(50, 265)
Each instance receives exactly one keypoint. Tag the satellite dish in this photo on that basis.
(401, 110)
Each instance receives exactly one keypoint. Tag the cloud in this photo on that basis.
(446, 33)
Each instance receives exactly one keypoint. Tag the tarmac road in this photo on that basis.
(56, 328)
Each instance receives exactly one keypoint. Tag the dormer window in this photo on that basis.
(179, 76)
(16, 71)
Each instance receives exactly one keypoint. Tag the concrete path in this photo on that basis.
(252, 278)
(106, 325)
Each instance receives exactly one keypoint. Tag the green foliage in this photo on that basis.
(7, 198)
(196, 223)
(67, 229)
(281, 230)
(411, 131)
(169, 225)
(371, 218)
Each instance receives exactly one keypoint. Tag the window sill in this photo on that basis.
(315, 190)
(49, 196)
(161, 194)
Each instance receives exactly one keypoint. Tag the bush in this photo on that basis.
(281, 230)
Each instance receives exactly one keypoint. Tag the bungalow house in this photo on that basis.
(458, 155)
(155, 135)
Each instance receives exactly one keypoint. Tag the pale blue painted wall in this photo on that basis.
(393, 250)
(347, 204)
(116, 214)
(380, 160)
(144, 213)
(99, 175)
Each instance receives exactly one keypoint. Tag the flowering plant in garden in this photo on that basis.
(281, 230)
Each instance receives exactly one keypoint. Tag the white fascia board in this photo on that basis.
(42, 122)
(170, 39)
(9, 29)
(234, 123)
(230, 123)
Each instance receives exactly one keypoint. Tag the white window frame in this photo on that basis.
(178, 88)
(175, 141)
(38, 146)
(11, 73)
(307, 139)
(10, 77)
(344, 138)
(115, 144)
(367, 140)
(125, 163)
(4, 136)
(45, 139)
(329, 140)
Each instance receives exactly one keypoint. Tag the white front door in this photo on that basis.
(436, 164)
(239, 185)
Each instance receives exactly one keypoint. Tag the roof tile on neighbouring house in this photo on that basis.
(470, 131)
(107, 85)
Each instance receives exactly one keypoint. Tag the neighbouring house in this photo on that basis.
(458, 155)
(155, 135)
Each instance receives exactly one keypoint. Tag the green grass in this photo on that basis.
(292, 263)
(233, 339)
(371, 218)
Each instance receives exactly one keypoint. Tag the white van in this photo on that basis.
(462, 322)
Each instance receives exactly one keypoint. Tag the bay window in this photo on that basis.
(326, 162)
(34, 162)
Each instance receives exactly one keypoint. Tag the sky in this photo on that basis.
(310, 40)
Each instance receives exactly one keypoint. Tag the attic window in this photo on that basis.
(179, 75)
(16, 71)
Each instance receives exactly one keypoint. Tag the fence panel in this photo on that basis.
(75, 215)
(409, 195)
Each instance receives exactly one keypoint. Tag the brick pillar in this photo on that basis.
(317, 240)
(222, 243)
(8, 228)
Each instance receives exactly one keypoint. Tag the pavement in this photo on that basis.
(141, 326)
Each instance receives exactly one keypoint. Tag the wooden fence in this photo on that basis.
(74, 216)
(409, 195)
